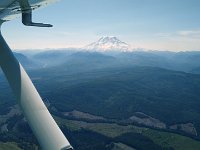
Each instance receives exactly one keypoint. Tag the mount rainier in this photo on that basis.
(108, 44)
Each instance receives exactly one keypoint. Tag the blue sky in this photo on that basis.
(151, 24)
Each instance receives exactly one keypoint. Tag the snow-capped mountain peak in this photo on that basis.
(108, 43)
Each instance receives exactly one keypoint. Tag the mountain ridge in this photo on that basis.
(108, 43)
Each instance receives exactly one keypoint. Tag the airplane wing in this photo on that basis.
(10, 9)
(46, 130)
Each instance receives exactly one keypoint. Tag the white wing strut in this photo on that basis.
(40, 120)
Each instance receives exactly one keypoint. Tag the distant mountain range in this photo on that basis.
(68, 59)
(107, 44)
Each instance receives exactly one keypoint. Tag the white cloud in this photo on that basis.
(194, 34)
(182, 40)
(183, 34)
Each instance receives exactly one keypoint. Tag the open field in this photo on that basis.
(9, 146)
(164, 139)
